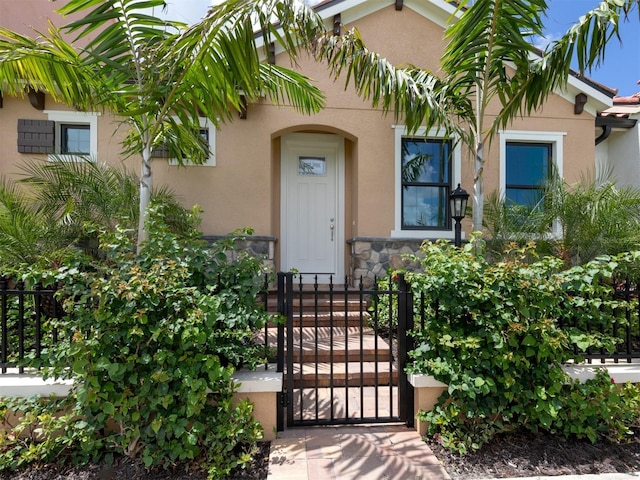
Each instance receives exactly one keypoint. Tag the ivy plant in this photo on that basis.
(498, 335)
(151, 340)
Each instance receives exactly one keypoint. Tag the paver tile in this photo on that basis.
(290, 470)
(418, 473)
(293, 433)
(358, 446)
(288, 448)
(323, 446)
(359, 468)
(321, 469)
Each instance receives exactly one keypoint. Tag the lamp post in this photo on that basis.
(458, 208)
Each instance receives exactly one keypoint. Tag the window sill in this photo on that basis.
(447, 234)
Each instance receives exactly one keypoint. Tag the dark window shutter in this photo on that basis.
(36, 136)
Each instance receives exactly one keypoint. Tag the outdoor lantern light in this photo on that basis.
(458, 206)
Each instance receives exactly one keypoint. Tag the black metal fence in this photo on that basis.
(625, 330)
(24, 327)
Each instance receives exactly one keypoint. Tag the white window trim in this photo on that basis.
(69, 117)
(400, 131)
(556, 139)
(211, 161)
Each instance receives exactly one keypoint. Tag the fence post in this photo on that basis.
(289, 349)
(405, 345)
(37, 300)
(20, 289)
(281, 401)
(3, 314)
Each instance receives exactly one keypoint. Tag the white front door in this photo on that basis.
(312, 204)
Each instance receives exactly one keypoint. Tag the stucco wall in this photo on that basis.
(623, 152)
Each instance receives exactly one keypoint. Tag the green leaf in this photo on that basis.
(156, 424)
(108, 408)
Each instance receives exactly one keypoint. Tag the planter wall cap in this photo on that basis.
(27, 385)
(259, 380)
(419, 380)
(620, 372)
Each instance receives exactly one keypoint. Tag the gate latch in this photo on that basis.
(285, 401)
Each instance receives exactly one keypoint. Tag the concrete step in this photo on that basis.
(321, 304)
(329, 319)
(352, 374)
(323, 344)
(333, 344)
(308, 355)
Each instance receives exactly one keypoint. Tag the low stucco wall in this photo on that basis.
(261, 387)
(427, 389)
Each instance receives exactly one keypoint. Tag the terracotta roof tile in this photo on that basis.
(630, 100)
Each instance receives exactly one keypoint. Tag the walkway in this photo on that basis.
(369, 452)
(353, 452)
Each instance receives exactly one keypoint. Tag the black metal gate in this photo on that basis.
(343, 351)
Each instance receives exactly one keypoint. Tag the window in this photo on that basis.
(426, 183)
(528, 167)
(527, 160)
(427, 166)
(76, 134)
(75, 139)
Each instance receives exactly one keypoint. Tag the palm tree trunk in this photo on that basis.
(146, 184)
(478, 187)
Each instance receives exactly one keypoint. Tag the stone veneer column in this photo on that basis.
(263, 247)
(374, 257)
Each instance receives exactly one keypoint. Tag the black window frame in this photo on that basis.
(64, 129)
(446, 186)
(538, 187)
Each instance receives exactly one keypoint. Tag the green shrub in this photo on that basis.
(598, 408)
(498, 334)
(153, 339)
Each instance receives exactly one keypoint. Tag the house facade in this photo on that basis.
(331, 194)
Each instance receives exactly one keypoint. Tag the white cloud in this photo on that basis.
(188, 11)
(543, 41)
(192, 11)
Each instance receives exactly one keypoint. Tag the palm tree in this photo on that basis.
(594, 217)
(159, 77)
(24, 235)
(61, 205)
(489, 57)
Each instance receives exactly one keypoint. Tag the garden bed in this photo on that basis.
(524, 454)
(520, 454)
(126, 468)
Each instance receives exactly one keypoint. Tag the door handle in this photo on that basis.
(331, 228)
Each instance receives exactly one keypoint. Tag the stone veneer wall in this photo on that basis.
(373, 257)
(258, 246)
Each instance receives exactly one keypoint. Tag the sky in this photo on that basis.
(621, 68)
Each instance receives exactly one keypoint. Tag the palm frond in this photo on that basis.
(24, 233)
(47, 64)
(418, 96)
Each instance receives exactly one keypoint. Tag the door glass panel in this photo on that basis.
(312, 166)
